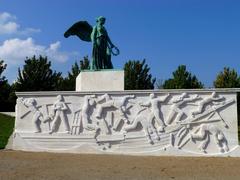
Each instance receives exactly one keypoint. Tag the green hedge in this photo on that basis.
(6, 129)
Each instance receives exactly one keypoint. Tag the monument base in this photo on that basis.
(192, 123)
(103, 80)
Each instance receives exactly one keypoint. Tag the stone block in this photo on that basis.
(104, 80)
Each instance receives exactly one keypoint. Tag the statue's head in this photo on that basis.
(152, 95)
(214, 94)
(32, 101)
(101, 20)
(59, 98)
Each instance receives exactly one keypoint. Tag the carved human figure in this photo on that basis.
(203, 134)
(122, 106)
(154, 105)
(37, 115)
(88, 102)
(60, 108)
(147, 125)
(108, 103)
(175, 112)
(213, 98)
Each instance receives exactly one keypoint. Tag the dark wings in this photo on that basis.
(81, 29)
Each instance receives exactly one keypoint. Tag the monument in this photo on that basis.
(100, 117)
(103, 48)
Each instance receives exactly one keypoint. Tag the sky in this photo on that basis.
(204, 35)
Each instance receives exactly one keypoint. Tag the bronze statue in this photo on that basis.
(102, 45)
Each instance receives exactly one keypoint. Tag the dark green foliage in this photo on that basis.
(37, 75)
(182, 79)
(137, 76)
(6, 129)
(228, 78)
(5, 90)
(85, 63)
(2, 68)
(68, 83)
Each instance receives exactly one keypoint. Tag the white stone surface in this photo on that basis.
(104, 80)
(173, 122)
(9, 113)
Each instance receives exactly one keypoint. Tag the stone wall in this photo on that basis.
(169, 122)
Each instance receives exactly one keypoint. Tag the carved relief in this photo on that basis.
(203, 134)
(37, 116)
(175, 110)
(59, 109)
(123, 109)
(154, 105)
(147, 125)
(214, 99)
(186, 121)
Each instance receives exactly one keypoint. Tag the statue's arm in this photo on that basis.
(93, 34)
(110, 42)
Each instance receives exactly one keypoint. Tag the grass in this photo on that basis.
(6, 129)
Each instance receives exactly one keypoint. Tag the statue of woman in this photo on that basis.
(102, 45)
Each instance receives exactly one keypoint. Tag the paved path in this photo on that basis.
(30, 166)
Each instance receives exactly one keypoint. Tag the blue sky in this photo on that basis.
(202, 34)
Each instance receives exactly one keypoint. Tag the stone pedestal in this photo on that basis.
(104, 80)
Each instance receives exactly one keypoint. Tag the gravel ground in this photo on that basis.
(27, 165)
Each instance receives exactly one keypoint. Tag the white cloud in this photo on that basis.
(15, 51)
(6, 16)
(8, 25)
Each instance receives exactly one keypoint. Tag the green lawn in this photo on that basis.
(6, 129)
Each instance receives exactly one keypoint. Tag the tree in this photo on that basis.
(228, 78)
(182, 79)
(2, 68)
(137, 76)
(37, 75)
(5, 90)
(68, 83)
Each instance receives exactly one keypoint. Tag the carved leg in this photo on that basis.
(179, 116)
(171, 116)
(148, 135)
(103, 106)
(116, 124)
(36, 120)
(105, 127)
(159, 121)
(132, 126)
(221, 141)
(225, 145)
(156, 133)
(65, 122)
(54, 123)
(199, 110)
(204, 144)
(99, 112)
